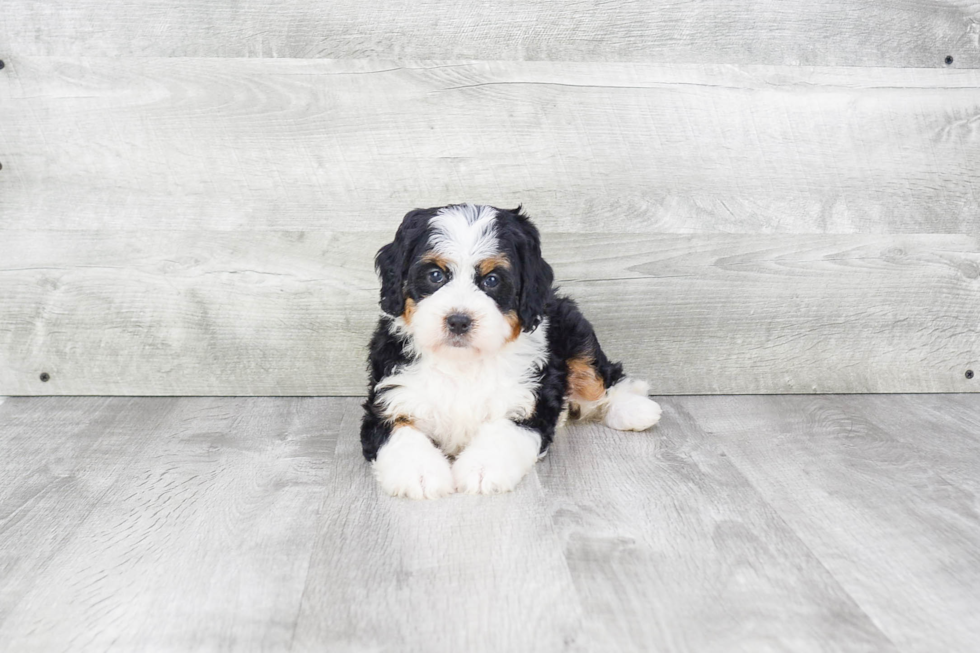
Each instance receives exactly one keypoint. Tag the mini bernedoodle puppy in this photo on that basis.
(476, 360)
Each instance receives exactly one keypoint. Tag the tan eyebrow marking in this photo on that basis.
(438, 259)
(488, 265)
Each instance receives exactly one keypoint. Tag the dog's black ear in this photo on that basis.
(388, 264)
(535, 274)
(393, 260)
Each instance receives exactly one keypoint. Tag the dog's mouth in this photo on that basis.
(458, 341)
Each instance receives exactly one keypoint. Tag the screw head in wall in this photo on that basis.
(949, 59)
(45, 377)
(969, 374)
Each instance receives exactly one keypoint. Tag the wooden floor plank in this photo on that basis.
(942, 432)
(203, 541)
(459, 574)
(59, 460)
(672, 549)
(883, 490)
(835, 523)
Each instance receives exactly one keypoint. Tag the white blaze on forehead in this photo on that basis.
(465, 234)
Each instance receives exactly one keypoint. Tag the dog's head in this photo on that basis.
(464, 280)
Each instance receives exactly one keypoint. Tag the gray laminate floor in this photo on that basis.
(793, 523)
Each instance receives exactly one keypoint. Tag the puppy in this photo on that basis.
(476, 360)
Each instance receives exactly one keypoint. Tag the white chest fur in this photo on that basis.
(449, 399)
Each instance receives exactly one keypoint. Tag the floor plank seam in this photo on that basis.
(799, 538)
(551, 505)
(334, 463)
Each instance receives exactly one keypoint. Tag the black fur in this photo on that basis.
(386, 353)
(521, 242)
(569, 336)
(527, 288)
(393, 261)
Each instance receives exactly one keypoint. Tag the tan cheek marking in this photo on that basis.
(583, 381)
(515, 325)
(409, 310)
(488, 265)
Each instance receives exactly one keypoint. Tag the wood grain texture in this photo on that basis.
(134, 144)
(739, 524)
(882, 489)
(466, 573)
(60, 459)
(831, 32)
(290, 313)
(202, 540)
(671, 548)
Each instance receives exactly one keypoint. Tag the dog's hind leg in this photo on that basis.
(628, 408)
(597, 388)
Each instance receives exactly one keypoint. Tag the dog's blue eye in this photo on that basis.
(491, 281)
(436, 276)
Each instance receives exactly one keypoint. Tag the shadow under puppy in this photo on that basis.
(476, 360)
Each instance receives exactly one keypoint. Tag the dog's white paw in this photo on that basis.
(629, 408)
(500, 455)
(486, 473)
(409, 465)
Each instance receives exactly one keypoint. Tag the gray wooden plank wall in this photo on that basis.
(829, 32)
(746, 197)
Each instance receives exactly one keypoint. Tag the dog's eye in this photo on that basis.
(436, 276)
(490, 281)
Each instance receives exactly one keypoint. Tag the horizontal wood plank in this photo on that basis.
(831, 32)
(133, 144)
(290, 313)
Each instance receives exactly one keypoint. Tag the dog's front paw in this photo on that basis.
(498, 458)
(485, 473)
(409, 465)
(630, 409)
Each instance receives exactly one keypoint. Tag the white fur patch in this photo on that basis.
(628, 408)
(501, 454)
(624, 407)
(409, 465)
(465, 234)
(451, 398)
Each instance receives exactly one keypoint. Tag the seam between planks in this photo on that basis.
(777, 514)
(326, 494)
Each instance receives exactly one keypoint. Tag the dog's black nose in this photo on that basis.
(459, 323)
